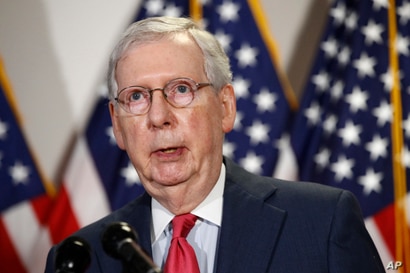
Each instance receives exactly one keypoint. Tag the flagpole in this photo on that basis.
(399, 172)
(195, 10)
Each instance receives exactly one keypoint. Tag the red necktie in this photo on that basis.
(181, 255)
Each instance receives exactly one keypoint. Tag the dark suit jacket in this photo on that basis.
(268, 225)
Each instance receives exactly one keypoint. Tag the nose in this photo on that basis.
(160, 113)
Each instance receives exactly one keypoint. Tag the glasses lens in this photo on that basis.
(135, 100)
(180, 92)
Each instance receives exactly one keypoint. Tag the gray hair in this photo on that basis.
(216, 62)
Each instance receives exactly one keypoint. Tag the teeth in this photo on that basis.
(171, 150)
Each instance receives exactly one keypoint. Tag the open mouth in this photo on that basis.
(169, 150)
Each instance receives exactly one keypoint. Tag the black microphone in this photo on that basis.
(72, 256)
(120, 241)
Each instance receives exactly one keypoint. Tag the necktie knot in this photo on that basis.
(182, 225)
(181, 255)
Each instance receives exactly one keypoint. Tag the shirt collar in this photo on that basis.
(210, 209)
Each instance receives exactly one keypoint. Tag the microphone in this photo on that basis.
(120, 241)
(72, 256)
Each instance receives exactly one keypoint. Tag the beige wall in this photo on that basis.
(55, 51)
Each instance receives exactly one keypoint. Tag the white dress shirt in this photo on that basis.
(204, 235)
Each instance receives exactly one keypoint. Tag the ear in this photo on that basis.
(228, 99)
(116, 125)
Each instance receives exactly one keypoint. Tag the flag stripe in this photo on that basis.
(9, 253)
(81, 168)
(40, 205)
(379, 240)
(62, 221)
(29, 245)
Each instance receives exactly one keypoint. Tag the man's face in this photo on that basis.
(172, 147)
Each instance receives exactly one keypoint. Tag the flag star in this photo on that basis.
(373, 33)
(252, 163)
(246, 56)
(228, 11)
(329, 125)
(241, 87)
(19, 173)
(344, 56)
(351, 21)
(238, 121)
(3, 130)
(229, 149)
(154, 7)
(342, 168)
(322, 158)
(357, 99)
(173, 11)
(336, 90)
(387, 80)
(371, 181)
(258, 132)
(321, 81)
(339, 13)
(377, 147)
(313, 113)
(350, 134)
(265, 100)
(130, 175)
(110, 133)
(404, 12)
(402, 45)
(377, 4)
(383, 113)
(406, 126)
(330, 47)
(224, 39)
(365, 65)
(405, 157)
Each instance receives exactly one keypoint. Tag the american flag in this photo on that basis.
(24, 197)
(353, 128)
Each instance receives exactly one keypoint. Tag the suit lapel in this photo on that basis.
(140, 218)
(251, 225)
(138, 215)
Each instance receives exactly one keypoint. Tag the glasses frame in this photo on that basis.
(196, 86)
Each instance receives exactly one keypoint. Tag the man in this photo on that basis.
(171, 104)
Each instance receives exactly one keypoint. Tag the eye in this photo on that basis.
(135, 96)
(182, 88)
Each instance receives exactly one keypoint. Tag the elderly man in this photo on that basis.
(171, 104)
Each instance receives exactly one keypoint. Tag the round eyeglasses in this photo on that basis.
(179, 92)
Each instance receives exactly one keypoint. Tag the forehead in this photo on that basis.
(176, 56)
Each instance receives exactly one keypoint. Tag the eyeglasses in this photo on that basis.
(179, 92)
